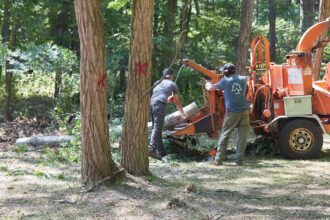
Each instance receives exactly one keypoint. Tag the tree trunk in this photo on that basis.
(58, 83)
(8, 97)
(244, 38)
(134, 153)
(306, 15)
(324, 12)
(186, 15)
(122, 75)
(97, 163)
(60, 30)
(169, 27)
(9, 72)
(156, 19)
(272, 29)
(198, 12)
(257, 11)
(5, 28)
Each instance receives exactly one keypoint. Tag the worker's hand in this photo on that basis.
(170, 99)
(184, 115)
(208, 86)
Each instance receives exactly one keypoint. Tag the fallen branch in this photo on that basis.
(43, 140)
(106, 179)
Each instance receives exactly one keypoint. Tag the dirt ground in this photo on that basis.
(264, 188)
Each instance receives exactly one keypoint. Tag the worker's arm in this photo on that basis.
(209, 86)
(178, 105)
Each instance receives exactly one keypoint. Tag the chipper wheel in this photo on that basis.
(300, 139)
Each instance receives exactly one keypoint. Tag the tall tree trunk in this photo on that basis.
(272, 28)
(5, 28)
(60, 30)
(169, 27)
(306, 15)
(9, 71)
(257, 11)
(134, 153)
(122, 74)
(198, 12)
(244, 38)
(186, 16)
(156, 19)
(58, 83)
(324, 13)
(97, 163)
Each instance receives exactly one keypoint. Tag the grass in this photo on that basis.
(266, 187)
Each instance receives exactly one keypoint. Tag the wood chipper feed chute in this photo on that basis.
(307, 41)
(210, 117)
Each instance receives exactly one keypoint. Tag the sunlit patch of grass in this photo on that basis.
(16, 172)
(67, 154)
(3, 168)
(21, 149)
(40, 173)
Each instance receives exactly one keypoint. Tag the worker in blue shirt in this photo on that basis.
(237, 116)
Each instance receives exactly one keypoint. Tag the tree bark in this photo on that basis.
(169, 26)
(272, 28)
(60, 32)
(9, 72)
(5, 28)
(97, 163)
(324, 13)
(244, 38)
(134, 154)
(58, 83)
(198, 12)
(122, 75)
(186, 15)
(306, 15)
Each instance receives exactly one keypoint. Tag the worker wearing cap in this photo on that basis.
(235, 87)
(160, 95)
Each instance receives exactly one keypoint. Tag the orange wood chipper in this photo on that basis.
(285, 102)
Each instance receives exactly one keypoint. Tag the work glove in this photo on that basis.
(208, 86)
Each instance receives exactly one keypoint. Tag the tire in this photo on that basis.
(300, 139)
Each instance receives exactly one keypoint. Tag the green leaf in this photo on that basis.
(118, 4)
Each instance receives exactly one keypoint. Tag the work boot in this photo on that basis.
(154, 154)
(161, 152)
(217, 162)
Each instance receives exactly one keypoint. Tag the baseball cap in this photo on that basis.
(230, 67)
(168, 71)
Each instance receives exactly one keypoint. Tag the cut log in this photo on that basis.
(170, 120)
(175, 118)
(43, 140)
